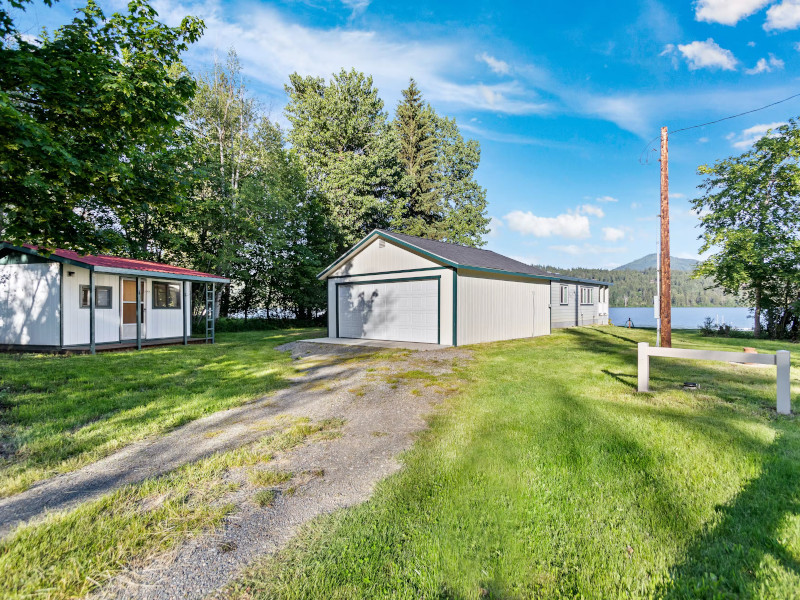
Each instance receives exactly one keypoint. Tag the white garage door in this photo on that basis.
(405, 311)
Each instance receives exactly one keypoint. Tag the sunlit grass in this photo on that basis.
(60, 413)
(549, 476)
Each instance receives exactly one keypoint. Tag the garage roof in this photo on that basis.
(463, 257)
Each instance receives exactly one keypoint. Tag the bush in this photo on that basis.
(708, 328)
(227, 324)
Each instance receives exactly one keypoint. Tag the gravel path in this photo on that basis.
(382, 411)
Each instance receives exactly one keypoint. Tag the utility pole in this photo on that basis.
(666, 280)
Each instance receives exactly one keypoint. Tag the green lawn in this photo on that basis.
(59, 413)
(548, 476)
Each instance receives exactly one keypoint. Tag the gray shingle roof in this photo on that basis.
(469, 257)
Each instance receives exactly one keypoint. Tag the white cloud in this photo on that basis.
(766, 65)
(702, 140)
(495, 225)
(797, 46)
(676, 195)
(591, 209)
(357, 6)
(270, 47)
(500, 67)
(783, 16)
(707, 55)
(568, 225)
(752, 134)
(635, 205)
(727, 12)
(613, 234)
(606, 199)
(751, 44)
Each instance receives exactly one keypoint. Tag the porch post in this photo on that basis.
(138, 315)
(91, 312)
(185, 333)
(213, 311)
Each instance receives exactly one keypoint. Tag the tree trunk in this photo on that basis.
(757, 314)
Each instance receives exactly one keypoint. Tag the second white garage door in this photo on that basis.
(405, 311)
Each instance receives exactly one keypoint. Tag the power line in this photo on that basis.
(747, 112)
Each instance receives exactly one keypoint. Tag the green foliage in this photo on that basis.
(228, 324)
(750, 219)
(76, 110)
(463, 201)
(637, 288)
(348, 149)
(417, 210)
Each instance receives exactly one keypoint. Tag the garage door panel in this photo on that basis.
(399, 310)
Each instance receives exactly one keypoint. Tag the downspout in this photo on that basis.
(185, 333)
(455, 307)
(60, 305)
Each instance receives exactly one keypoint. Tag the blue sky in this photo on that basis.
(563, 96)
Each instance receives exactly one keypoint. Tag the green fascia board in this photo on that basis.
(376, 234)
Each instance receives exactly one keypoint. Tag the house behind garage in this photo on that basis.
(392, 286)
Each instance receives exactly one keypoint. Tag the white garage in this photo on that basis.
(392, 286)
(403, 310)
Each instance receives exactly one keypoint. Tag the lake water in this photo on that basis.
(684, 317)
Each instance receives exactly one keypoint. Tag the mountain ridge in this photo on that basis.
(649, 261)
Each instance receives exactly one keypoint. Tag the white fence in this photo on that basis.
(779, 359)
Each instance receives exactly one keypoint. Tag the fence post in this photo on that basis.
(644, 367)
(784, 384)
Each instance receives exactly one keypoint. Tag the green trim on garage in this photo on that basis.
(387, 272)
(455, 307)
(438, 279)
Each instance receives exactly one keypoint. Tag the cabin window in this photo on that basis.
(586, 295)
(564, 294)
(102, 296)
(166, 295)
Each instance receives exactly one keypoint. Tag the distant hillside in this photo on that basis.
(650, 262)
(637, 288)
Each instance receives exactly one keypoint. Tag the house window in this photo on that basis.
(166, 295)
(564, 294)
(586, 295)
(102, 296)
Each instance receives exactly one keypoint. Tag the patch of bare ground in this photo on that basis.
(368, 406)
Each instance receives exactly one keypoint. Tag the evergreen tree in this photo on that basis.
(349, 151)
(462, 199)
(417, 211)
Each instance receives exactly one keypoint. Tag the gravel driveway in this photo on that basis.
(382, 398)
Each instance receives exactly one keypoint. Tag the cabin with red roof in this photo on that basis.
(65, 301)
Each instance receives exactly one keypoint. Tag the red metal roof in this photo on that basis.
(115, 262)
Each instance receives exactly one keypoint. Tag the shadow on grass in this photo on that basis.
(727, 559)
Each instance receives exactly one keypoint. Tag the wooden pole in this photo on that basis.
(666, 281)
(138, 315)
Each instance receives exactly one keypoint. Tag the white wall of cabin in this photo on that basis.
(29, 308)
(158, 322)
(493, 307)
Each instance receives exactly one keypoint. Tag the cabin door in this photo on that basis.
(129, 308)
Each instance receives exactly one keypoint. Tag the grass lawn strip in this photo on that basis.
(70, 554)
(550, 477)
(60, 413)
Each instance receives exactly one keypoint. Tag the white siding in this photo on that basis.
(373, 258)
(76, 319)
(29, 304)
(498, 307)
(158, 323)
(445, 297)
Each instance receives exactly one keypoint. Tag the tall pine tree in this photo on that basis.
(417, 211)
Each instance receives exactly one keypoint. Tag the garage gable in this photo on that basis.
(380, 255)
